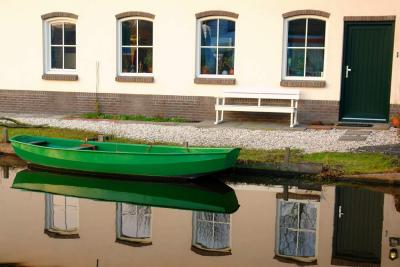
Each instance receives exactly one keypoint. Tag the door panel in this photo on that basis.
(358, 225)
(367, 68)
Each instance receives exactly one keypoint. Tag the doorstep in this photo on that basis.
(374, 126)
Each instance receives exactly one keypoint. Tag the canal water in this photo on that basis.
(49, 219)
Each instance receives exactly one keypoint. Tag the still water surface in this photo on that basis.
(62, 220)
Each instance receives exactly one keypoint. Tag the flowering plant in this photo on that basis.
(396, 120)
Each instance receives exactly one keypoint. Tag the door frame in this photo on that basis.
(346, 25)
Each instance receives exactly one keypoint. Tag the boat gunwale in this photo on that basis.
(228, 150)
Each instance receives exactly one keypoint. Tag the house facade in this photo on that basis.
(171, 58)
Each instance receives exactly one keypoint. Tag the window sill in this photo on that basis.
(218, 81)
(209, 252)
(299, 196)
(60, 77)
(296, 260)
(61, 235)
(303, 83)
(134, 243)
(134, 79)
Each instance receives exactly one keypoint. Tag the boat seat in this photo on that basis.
(38, 143)
(84, 147)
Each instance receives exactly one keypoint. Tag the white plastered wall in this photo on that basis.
(258, 57)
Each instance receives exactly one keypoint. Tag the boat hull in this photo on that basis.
(125, 163)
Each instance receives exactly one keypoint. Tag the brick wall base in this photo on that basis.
(394, 109)
(193, 108)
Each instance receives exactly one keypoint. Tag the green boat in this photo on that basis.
(211, 196)
(123, 159)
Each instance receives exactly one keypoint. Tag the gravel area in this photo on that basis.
(307, 140)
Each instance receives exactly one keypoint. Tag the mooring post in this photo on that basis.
(287, 155)
(6, 172)
(100, 138)
(5, 135)
(286, 192)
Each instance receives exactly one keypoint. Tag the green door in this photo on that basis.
(366, 72)
(358, 225)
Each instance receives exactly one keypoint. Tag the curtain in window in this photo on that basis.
(135, 221)
(297, 228)
(212, 230)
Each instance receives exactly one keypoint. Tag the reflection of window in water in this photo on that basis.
(296, 229)
(211, 231)
(133, 223)
(62, 215)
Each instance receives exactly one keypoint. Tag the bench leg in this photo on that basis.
(291, 120)
(291, 113)
(217, 117)
(295, 113)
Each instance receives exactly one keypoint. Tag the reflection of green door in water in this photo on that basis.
(366, 71)
(358, 225)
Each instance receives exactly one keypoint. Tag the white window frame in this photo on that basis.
(49, 216)
(277, 231)
(194, 233)
(119, 48)
(198, 48)
(285, 48)
(119, 234)
(47, 45)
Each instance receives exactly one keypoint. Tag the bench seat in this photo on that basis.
(292, 95)
(271, 109)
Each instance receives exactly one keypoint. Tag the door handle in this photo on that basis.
(340, 212)
(347, 71)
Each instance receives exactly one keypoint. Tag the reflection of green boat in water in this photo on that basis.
(123, 159)
(203, 195)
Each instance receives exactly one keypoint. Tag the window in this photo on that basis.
(211, 231)
(133, 223)
(62, 215)
(305, 48)
(135, 47)
(296, 229)
(60, 46)
(216, 49)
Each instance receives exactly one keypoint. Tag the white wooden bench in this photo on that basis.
(293, 95)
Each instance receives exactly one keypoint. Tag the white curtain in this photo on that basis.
(135, 221)
(297, 228)
(212, 230)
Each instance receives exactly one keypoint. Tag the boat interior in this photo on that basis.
(113, 147)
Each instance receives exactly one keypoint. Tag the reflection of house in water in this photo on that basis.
(271, 228)
(61, 216)
(211, 233)
(133, 224)
(357, 227)
(296, 226)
